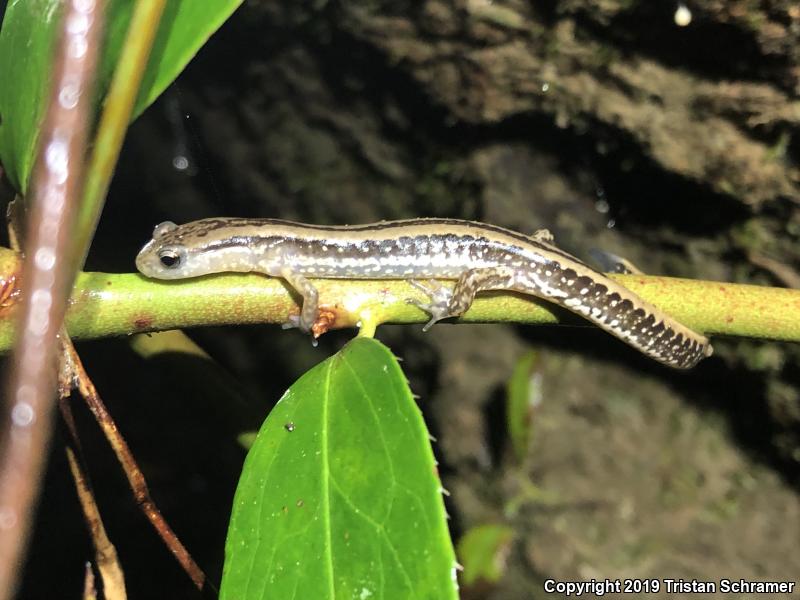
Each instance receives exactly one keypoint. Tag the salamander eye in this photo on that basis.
(171, 258)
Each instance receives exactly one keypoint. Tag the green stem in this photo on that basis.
(121, 304)
(115, 119)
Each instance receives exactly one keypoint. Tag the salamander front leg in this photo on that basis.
(446, 303)
(310, 308)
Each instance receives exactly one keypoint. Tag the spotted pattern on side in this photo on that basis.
(624, 314)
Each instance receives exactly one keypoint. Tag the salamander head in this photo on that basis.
(191, 250)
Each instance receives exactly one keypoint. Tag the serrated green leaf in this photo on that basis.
(339, 496)
(27, 40)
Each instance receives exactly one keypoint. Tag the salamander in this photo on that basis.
(478, 256)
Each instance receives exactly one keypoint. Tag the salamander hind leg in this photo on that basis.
(543, 235)
(446, 303)
(613, 263)
(438, 307)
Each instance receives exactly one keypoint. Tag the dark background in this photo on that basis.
(676, 147)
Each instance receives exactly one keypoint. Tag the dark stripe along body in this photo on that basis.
(429, 248)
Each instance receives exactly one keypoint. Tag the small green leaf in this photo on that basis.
(246, 439)
(523, 393)
(483, 551)
(27, 39)
(339, 496)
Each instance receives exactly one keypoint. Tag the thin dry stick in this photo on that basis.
(89, 590)
(784, 273)
(117, 110)
(132, 471)
(105, 553)
(57, 177)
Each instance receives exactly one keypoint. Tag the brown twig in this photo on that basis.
(781, 271)
(89, 590)
(105, 553)
(132, 471)
(57, 177)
